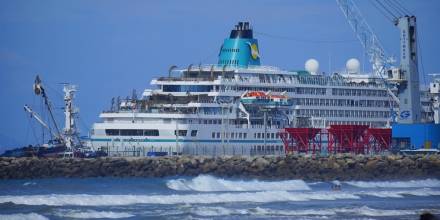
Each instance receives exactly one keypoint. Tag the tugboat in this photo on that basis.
(65, 143)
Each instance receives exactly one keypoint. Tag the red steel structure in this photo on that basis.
(348, 139)
(301, 140)
(356, 139)
(380, 139)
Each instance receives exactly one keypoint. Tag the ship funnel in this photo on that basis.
(240, 49)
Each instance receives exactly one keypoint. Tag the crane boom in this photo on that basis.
(370, 42)
(39, 120)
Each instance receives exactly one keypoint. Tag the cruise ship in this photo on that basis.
(238, 107)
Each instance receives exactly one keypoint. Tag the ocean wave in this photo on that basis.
(20, 216)
(367, 211)
(433, 183)
(400, 193)
(206, 183)
(258, 211)
(222, 211)
(210, 198)
(88, 214)
(29, 184)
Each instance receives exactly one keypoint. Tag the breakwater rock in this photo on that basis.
(341, 167)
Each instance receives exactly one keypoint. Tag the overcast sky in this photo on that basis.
(108, 48)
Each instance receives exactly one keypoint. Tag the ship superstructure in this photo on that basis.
(237, 106)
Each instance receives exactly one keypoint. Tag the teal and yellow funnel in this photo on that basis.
(240, 49)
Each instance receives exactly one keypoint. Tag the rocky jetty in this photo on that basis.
(341, 167)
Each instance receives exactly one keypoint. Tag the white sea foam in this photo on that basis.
(217, 211)
(210, 198)
(206, 183)
(222, 211)
(20, 216)
(29, 183)
(88, 214)
(401, 193)
(304, 212)
(367, 211)
(433, 183)
(258, 211)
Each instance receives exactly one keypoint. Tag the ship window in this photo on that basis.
(245, 135)
(240, 135)
(272, 135)
(213, 135)
(259, 135)
(131, 132)
(232, 135)
(181, 133)
(218, 134)
(112, 132)
(151, 132)
(193, 133)
(186, 88)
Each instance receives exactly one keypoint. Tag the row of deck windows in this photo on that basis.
(293, 79)
(145, 132)
(186, 88)
(359, 92)
(342, 113)
(239, 135)
(268, 135)
(309, 91)
(131, 132)
(341, 102)
(232, 135)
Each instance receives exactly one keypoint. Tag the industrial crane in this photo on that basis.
(406, 77)
(69, 137)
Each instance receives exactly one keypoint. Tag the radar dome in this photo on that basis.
(353, 65)
(312, 66)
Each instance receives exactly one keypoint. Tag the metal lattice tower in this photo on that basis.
(366, 36)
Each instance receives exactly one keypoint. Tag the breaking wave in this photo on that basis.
(88, 214)
(30, 216)
(401, 193)
(258, 211)
(206, 198)
(206, 183)
(396, 184)
(210, 198)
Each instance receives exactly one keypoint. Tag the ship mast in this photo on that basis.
(70, 134)
(40, 90)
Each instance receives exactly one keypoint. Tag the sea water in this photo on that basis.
(209, 197)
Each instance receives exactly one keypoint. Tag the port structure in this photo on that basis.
(354, 139)
(348, 139)
(301, 140)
